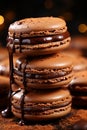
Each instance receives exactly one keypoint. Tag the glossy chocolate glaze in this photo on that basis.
(39, 39)
(23, 96)
(7, 112)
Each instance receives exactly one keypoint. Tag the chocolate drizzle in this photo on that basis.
(23, 96)
(39, 39)
(7, 112)
(20, 41)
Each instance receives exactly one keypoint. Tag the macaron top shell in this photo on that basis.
(79, 78)
(37, 25)
(80, 64)
(44, 96)
(56, 61)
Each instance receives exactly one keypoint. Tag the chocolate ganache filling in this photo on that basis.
(43, 108)
(43, 76)
(40, 39)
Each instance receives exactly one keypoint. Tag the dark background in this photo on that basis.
(73, 11)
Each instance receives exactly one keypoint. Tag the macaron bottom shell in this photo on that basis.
(42, 49)
(47, 115)
(41, 105)
(47, 84)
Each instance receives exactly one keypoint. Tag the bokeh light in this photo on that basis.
(1, 19)
(82, 28)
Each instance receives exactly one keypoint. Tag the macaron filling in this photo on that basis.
(46, 74)
(43, 81)
(39, 39)
(43, 106)
(45, 112)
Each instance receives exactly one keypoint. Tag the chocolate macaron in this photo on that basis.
(43, 72)
(38, 36)
(78, 89)
(41, 105)
(79, 63)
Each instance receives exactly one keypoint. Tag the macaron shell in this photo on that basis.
(43, 49)
(30, 25)
(54, 83)
(80, 64)
(58, 113)
(38, 96)
(79, 78)
(56, 61)
(57, 102)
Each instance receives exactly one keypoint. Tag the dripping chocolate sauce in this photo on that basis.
(21, 122)
(7, 112)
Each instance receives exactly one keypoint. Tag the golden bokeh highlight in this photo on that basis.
(82, 28)
(1, 19)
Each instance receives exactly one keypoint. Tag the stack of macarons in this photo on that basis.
(39, 79)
